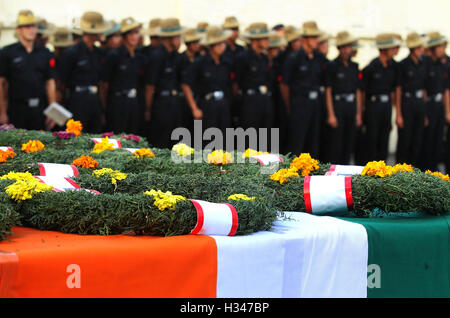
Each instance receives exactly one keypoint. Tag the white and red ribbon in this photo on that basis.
(3, 148)
(344, 170)
(328, 194)
(267, 159)
(116, 143)
(59, 183)
(57, 170)
(215, 218)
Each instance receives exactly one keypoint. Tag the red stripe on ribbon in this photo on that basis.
(73, 183)
(75, 170)
(348, 193)
(200, 217)
(95, 140)
(332, 169)
(119, 144)
(259, 160)
(41, 169)
(307, 194)
(281, 159)
(235, 220)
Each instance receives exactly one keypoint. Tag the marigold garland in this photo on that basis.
(6, 154)
(85, 162)
(103, 145)
(164, 200)
(33, 146)
(219, 157)
(75, 127)
(382, 170)
(438, 174)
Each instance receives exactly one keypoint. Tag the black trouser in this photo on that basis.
(378, 127)
(86, 107)
(167, 114)
(23, 116)
(281, 121)
(432, 145)
(257, 112)
(341, 139)
(411, 135)
(124, 115)
(304, 126)
(324, 142)
(216, 114)
(447, 151)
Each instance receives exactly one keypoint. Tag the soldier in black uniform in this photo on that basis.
(80, 74)
(192, 40)
(27, 77)
(343, 101)
(163, 96)
(253, 77)
(437, 88)
(322, 52)
(300, 88)
(411, 110)
(119, 80)
(293, 39)
(380, 80)
(210, 74)
(112, 37)
(276, 44)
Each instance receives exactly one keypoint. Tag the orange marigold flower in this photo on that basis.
(438, 174)
(86, 162)
(305, 164)
(75, 127)
(282, 175)
(6, 154)
(219, 157)
(144, 152)
(33, 146)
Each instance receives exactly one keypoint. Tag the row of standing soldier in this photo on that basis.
(330, 109)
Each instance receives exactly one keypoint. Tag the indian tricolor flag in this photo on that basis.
(302, 256)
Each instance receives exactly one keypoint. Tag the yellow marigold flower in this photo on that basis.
(6, 154)
(305, 164)
(33, 146)
(438, 174)
(402, 168)
(282, 175)
(144, 152)
(103, 145)
(115, 174)
(183, 149)
(378, 168)
(251, 152)
(219, 157)
(164, 200)
(239, 196)
(25, 186)
(75, 127)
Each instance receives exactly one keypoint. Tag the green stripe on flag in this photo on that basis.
(408, 256)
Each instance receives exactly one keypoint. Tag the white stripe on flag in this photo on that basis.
(267, 159)
(311, 256)
(344, 170)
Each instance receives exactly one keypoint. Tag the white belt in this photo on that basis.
(313, 95)
(33, 102)
(418, 94)
(347, 97)
(384, 98)
(263, 90)
(217, 95)
(130, 93)
(437, 97)
(91, 89)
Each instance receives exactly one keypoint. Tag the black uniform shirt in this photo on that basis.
(25, 72)
(252, 70)
(231, 54)
(301, 73)
(437, 77)
(163, 70)
(341, 78)
(208, 76)
(121, 70)
(377, 79)
(81, 66)
(412, 75)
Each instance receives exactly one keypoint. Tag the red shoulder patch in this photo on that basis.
(232, 76)
(279, 79)
(52, 63)
(360, 75)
